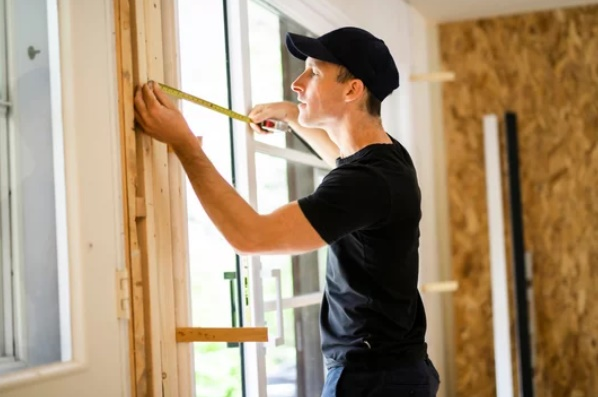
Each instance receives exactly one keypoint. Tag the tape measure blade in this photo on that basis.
(202, 102)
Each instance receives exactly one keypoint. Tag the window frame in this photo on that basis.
(246, 148)
(12, 339)
(18, 363)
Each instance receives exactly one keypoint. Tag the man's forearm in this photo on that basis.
(231, 214)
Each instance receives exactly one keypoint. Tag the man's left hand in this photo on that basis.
(159, 117)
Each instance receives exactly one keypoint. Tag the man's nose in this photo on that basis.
(296, 85)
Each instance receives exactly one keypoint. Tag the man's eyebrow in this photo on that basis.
(313, 61)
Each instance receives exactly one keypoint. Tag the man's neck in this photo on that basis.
(354, 133)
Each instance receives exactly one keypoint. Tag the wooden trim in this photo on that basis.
(178, 211)
(199, 334)
(137, 351)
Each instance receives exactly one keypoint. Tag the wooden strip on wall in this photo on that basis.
(178, 210)
(146, 226)
(163, 272)
(434, 77)
(137, 349)
(199, 334)
(119, 19)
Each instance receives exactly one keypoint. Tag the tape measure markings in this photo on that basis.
(202, 102)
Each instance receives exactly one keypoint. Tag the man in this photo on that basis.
(367, 210)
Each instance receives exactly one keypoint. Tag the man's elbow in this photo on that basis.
(249, 246)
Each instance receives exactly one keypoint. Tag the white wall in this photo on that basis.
(412, 114)
(35, 187)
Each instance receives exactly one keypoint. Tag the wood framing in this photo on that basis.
(154, 209)
(146, 186)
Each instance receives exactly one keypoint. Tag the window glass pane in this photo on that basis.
(34, 310)
(266, 61)
(273, 69)
(296, 368)
(218, 370)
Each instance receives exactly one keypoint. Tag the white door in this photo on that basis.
(61, 226)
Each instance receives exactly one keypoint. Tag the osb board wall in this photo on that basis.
(544, 67)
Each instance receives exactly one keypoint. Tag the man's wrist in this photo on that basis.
(292, 113)
(187, 145)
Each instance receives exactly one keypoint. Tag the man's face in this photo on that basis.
(320, 94)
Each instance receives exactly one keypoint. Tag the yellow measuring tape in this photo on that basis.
(202, 102)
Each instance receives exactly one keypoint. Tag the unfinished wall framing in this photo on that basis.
(544, 66)
(153, 205)
(155, 215)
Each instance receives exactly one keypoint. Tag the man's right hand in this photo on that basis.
(288, 112)
(283, 111)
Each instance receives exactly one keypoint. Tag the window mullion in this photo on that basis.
(246, 184)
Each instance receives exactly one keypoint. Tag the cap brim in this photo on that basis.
(302, 47)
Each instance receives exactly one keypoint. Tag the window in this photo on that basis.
(213, 263)
(34, 314)
(285, 170)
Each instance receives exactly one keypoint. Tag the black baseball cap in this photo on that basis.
(362, 53)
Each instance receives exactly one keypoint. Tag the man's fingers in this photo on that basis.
(256, 114)
(255, 127)
(139, 102)
(148, 96)
(138, 118)
(163, 97)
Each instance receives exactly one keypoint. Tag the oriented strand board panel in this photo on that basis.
(544, 67)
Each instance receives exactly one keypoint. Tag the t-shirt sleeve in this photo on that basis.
(349, 198)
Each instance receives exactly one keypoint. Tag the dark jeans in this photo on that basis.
(417, 380)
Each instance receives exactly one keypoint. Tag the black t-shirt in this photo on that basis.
(368, 211)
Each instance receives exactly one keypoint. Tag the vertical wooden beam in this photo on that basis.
(162, 280)
(123, 14)
(122, 35)
(178, 208)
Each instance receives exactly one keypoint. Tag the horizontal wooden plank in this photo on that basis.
(440, 286)
(201, 334)
(434, 77)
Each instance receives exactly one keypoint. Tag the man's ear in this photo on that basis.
(355, 90)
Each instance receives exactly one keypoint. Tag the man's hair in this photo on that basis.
(372, 104)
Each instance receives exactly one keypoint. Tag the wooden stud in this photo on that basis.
(137, 355)
(122, 34)
(244, 334)
(178, 211)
